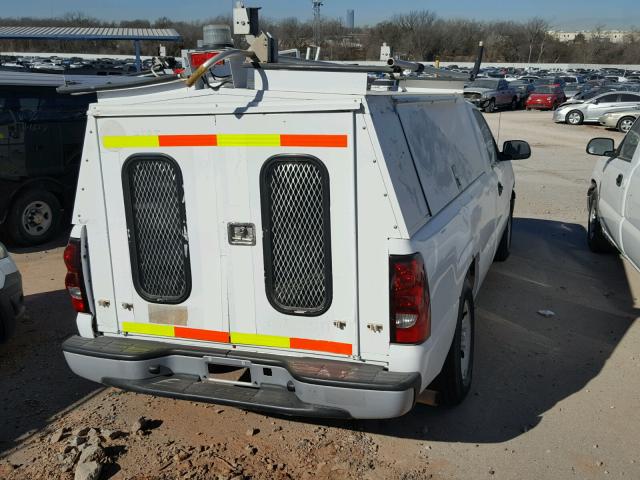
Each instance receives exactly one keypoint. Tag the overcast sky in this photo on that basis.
(564, 15)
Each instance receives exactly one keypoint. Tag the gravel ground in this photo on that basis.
(552, 397)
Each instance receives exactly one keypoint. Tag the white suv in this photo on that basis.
(614, 204)
(320, 243)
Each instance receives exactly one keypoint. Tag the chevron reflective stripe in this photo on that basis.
(236, 338)
(225, 140)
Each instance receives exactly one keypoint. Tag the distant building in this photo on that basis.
(614, 36)
(351, 19)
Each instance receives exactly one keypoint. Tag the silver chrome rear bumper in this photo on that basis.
(306, 387)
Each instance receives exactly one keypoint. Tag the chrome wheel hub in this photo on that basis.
(626, 125)
(37, 218)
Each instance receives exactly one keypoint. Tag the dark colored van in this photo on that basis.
(41, 135)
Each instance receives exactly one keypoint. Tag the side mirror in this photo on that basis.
(601, 147)
(515, 150)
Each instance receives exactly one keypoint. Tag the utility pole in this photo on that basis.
(316, 21)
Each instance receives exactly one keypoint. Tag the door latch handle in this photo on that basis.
(500, 188)
(619, 180)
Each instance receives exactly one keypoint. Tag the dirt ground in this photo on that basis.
(552, 397)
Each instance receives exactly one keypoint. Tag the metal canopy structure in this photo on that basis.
(92, 33)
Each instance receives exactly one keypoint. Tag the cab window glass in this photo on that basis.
(630, 143)
(608, 99)
(23, 103)
(487, 137)
(627, 97)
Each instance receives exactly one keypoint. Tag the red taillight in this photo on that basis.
(74, 281)
(198, 58)
(410, 306)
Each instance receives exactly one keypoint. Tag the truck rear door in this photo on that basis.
(235, 229)
(291, 284)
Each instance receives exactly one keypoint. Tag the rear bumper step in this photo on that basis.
(299, 386)
(268, 399)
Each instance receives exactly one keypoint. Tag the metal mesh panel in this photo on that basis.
(297, 248)
(157, 229)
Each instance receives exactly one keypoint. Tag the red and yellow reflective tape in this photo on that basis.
(238, 338)
(225, 140)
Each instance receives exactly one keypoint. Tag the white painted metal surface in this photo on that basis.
(618, 181)
(417, 174)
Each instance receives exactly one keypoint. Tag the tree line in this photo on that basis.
(417, 35)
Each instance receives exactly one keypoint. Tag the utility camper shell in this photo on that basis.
(319, 241)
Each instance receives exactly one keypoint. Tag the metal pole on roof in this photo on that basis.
(136, 44)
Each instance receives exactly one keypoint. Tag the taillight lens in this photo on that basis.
(74, 281)
(410, 305)
(198, 58)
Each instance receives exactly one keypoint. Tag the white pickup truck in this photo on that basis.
(613, 201)
(299, 245)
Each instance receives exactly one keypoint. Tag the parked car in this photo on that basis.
(550, 80)
(622, 121)
(491, 94)
(573, 79)
(529, 78)
(546, 97)
(578, 112)
(11, 297)
(523, 89)
(614, 206)
(41, 135)
(243, 244)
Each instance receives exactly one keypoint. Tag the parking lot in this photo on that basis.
(553, 397)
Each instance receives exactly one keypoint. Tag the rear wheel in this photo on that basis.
(625, 124)
(575, 117)
(596, 238)
(491, 106)
(514, 104)
(454, 382)
(34, 217)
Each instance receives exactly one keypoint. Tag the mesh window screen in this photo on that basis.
(156, 220)
(297, 244)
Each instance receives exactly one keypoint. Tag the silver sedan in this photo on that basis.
(621, 121)
(579, 112)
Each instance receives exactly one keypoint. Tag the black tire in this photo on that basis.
(504, 247)
(38, 225)
(574, 117)
(625, 124)
(491, 106)
(596, 239)
(452, 383)
(514, 104)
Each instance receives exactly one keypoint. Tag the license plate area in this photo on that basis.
(229, 371)
(229, 374)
